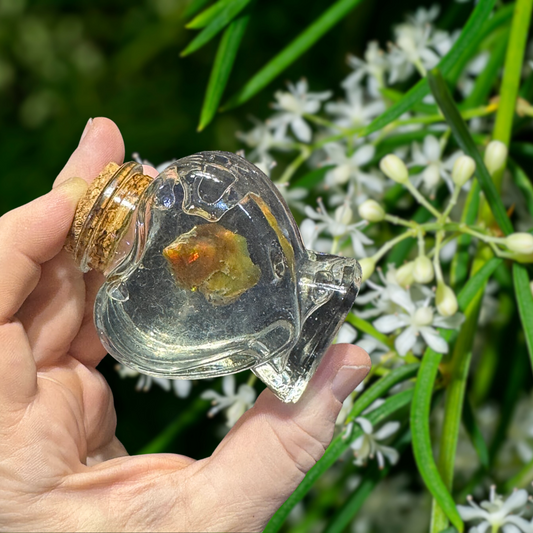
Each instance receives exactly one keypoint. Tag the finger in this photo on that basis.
(61, 306)
(30, 236)
(268, 452)
(100, 143)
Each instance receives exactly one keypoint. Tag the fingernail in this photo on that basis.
(73, 188)
(86, 130)
(347, 378)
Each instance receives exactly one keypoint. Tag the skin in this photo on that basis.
(61, 465)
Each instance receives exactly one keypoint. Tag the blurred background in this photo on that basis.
(62, 62)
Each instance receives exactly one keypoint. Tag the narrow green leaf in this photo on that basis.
(420, 409)
(465, 45)
(478, 442)
(193, 8)
(224, 60)
(208, 15)
(229, 11)
(466, 143)
(381, 387)
(513, 70)
(332, 454)
(476, 282)
(366, 327)
(524, 299)
(293, 51)
(520, 480)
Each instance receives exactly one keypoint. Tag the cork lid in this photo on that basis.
(103, 214)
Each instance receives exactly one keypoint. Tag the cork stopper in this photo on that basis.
(104, 213)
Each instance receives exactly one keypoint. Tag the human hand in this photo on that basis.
(61, 465)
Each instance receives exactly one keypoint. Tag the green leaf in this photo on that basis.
(423, 453)
(366, 327)
(465, 45)
(335, 450)
(466, 143)
(293, 51)
(476, 282)
(478, 442)
(224, 60)
(193, 8)
(524, 299)
(226, 15)
(208, 15)
(381, 387)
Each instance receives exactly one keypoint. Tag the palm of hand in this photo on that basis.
(62, 466)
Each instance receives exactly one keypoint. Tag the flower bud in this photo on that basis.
(368, 265)
(521, 243)
(404, 275)
(393, 167)
(531, 287)
(463, 169)
(446, 300)
(423, 269)
(495, 156)
(370, 210)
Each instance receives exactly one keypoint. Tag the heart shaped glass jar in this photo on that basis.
(207, 275)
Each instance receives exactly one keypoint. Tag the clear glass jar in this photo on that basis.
(207, 275)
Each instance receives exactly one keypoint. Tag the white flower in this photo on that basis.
(349, 167)
(374, 66)
(354, 112)
(374, 348)
(497, 513)
(345, 411)
(261, 140)
(235, 403)
(430, 157)
(473, 69)
(417, 318)
(292, 106)
(366, 446)
(340, 225)
(181, 387)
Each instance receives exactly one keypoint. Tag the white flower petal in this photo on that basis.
(364, 154)
(387, 430)
(405, 341)
(432, 148)
(515, 501)
(301, 129)
(471, 513)
(434, 340)
(390, 453)
(182, 387)
(388, 323)
(365, 424)
(228, 385)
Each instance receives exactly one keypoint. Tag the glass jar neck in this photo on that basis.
(104, 214)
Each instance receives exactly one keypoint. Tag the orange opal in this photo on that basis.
(214, 261)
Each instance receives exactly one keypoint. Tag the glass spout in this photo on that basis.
(328, 287)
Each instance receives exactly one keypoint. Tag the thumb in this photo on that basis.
(267, 454)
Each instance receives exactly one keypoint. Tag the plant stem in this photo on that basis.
(511, 76)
